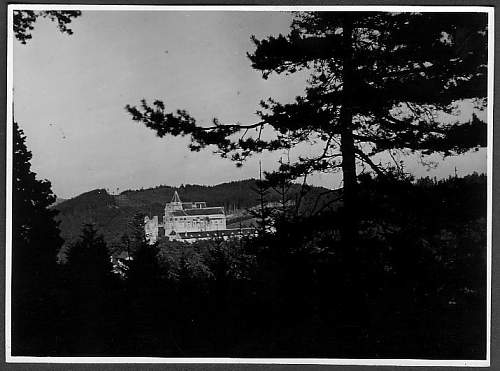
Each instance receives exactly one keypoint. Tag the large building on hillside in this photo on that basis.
(183, 217)
(190, 221)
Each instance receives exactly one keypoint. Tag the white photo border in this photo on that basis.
(291, 361)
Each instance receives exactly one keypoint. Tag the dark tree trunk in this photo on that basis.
(347, 284)
(347, 140)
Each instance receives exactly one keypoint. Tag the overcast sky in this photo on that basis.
(70, 94)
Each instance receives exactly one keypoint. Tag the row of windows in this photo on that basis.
(189, 222)
(194, 219)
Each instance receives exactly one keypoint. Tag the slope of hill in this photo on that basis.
(112, 213)
(58, 201)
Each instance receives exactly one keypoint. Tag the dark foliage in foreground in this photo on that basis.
(24, 21)
(35, 241)
(412, 285)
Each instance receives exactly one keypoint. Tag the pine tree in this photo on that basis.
(281, 182)
(90, 282)
(35, 244)
(144, 269)
(146, 297)
(378, 82)
(89, 261)
(136, 233)
(263, 212)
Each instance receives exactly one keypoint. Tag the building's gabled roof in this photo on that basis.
(205, 211)
(199, 212)
(194, 204)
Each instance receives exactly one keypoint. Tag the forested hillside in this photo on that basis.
(112, 213)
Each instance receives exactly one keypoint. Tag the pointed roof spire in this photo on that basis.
(176, 197)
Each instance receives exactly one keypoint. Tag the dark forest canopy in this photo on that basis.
(421, 283)
(378, 83)
(35, 243)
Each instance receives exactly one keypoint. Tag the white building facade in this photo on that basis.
(181, 218)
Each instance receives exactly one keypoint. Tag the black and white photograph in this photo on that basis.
(249, 184)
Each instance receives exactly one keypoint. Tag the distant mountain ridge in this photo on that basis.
(112, 213)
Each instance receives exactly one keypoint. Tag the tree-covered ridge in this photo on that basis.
(110, 213)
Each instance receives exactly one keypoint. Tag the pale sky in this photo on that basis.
(70, 94)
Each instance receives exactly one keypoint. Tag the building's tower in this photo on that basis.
(175, 204)
(170, 207)
(176, 198)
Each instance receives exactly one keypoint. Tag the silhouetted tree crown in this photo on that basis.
(144, 269)
(36, 238)
(89, 261)
(24, 21)
(35, 243)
